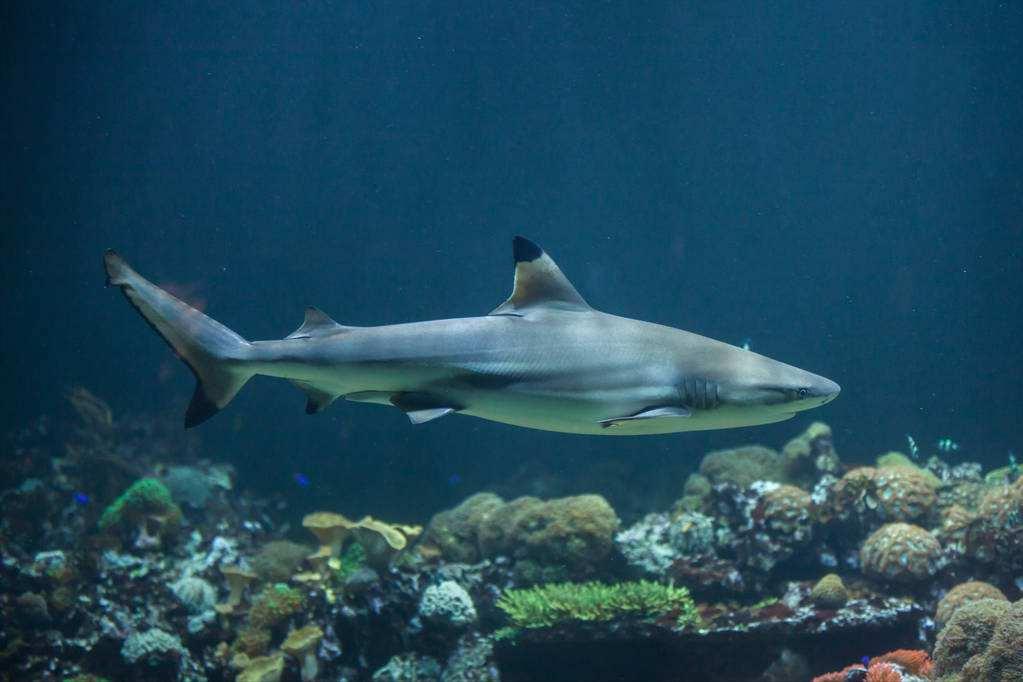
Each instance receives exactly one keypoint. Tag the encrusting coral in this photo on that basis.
(743, 465)
(967, 634)
(997, 536)
(961, 594)
(551, 604)
(278, 560)
(900, 552)
(275, 604)
(829, 592)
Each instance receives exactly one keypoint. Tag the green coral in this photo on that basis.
(145, 497)
(86, 678)
(551, 604)
(352, 559)
(274, 604)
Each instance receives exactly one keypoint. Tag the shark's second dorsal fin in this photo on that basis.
(539, 283)
(316, 323)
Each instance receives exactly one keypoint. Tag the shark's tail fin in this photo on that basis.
(214, 353)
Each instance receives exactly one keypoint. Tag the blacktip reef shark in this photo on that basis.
(543, 359)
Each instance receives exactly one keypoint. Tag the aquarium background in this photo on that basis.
(838, 185)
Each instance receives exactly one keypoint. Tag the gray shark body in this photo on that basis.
(544, 359)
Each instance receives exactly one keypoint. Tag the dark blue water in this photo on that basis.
(840, 185)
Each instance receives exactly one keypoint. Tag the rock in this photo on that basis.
(409, 667)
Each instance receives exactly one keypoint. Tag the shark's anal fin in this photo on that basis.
(668, 412)
(539, 283)
(422, 407)
(316, 323)
(317, 399)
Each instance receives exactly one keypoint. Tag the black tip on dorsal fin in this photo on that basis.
(524, 250)
(539, 283)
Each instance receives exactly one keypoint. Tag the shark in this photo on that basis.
(543, 359)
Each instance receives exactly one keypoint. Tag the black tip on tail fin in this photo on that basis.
(200, 408)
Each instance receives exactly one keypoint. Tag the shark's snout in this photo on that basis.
(826, 390)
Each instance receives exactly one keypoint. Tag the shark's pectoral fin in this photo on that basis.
(667, 412)
(423, 407)
(318, 399)
(538, 283)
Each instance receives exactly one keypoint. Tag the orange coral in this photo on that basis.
(883, 672)
(840, 676)
(912, 660)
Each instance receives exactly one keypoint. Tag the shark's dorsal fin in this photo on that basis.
(539, 283)
(316, 323)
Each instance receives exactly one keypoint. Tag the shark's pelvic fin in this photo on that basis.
(669, 412)
(539, 283)
(318, 399)
(317, 323)
(422, 407)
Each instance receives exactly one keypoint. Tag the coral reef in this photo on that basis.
(830, 592)
(731, 573)
(997, 536)
(657, 541)
(900, 552)
(447, 603)
(810, 455)
(743, 465)
(967, 634)
(147, 508)
(902, 665)
(278, 560)
(549, 605)
(275, 604)
(962, 594)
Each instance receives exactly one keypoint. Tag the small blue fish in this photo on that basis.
(301, 479)
(914, 451)
(865, 661)
(947, 445)
(454, 479)
(80, 498)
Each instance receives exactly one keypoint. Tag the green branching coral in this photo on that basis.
(551, 604)
(145, 498)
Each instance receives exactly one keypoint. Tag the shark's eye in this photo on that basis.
(803, 392)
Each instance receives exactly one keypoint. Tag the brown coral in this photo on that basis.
(967, 634)
(455, 532)
(574, 532)
(961, 594)
(997, 535)
(904, 493)
(900, 552)
(1003, 659)
(829, 592)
